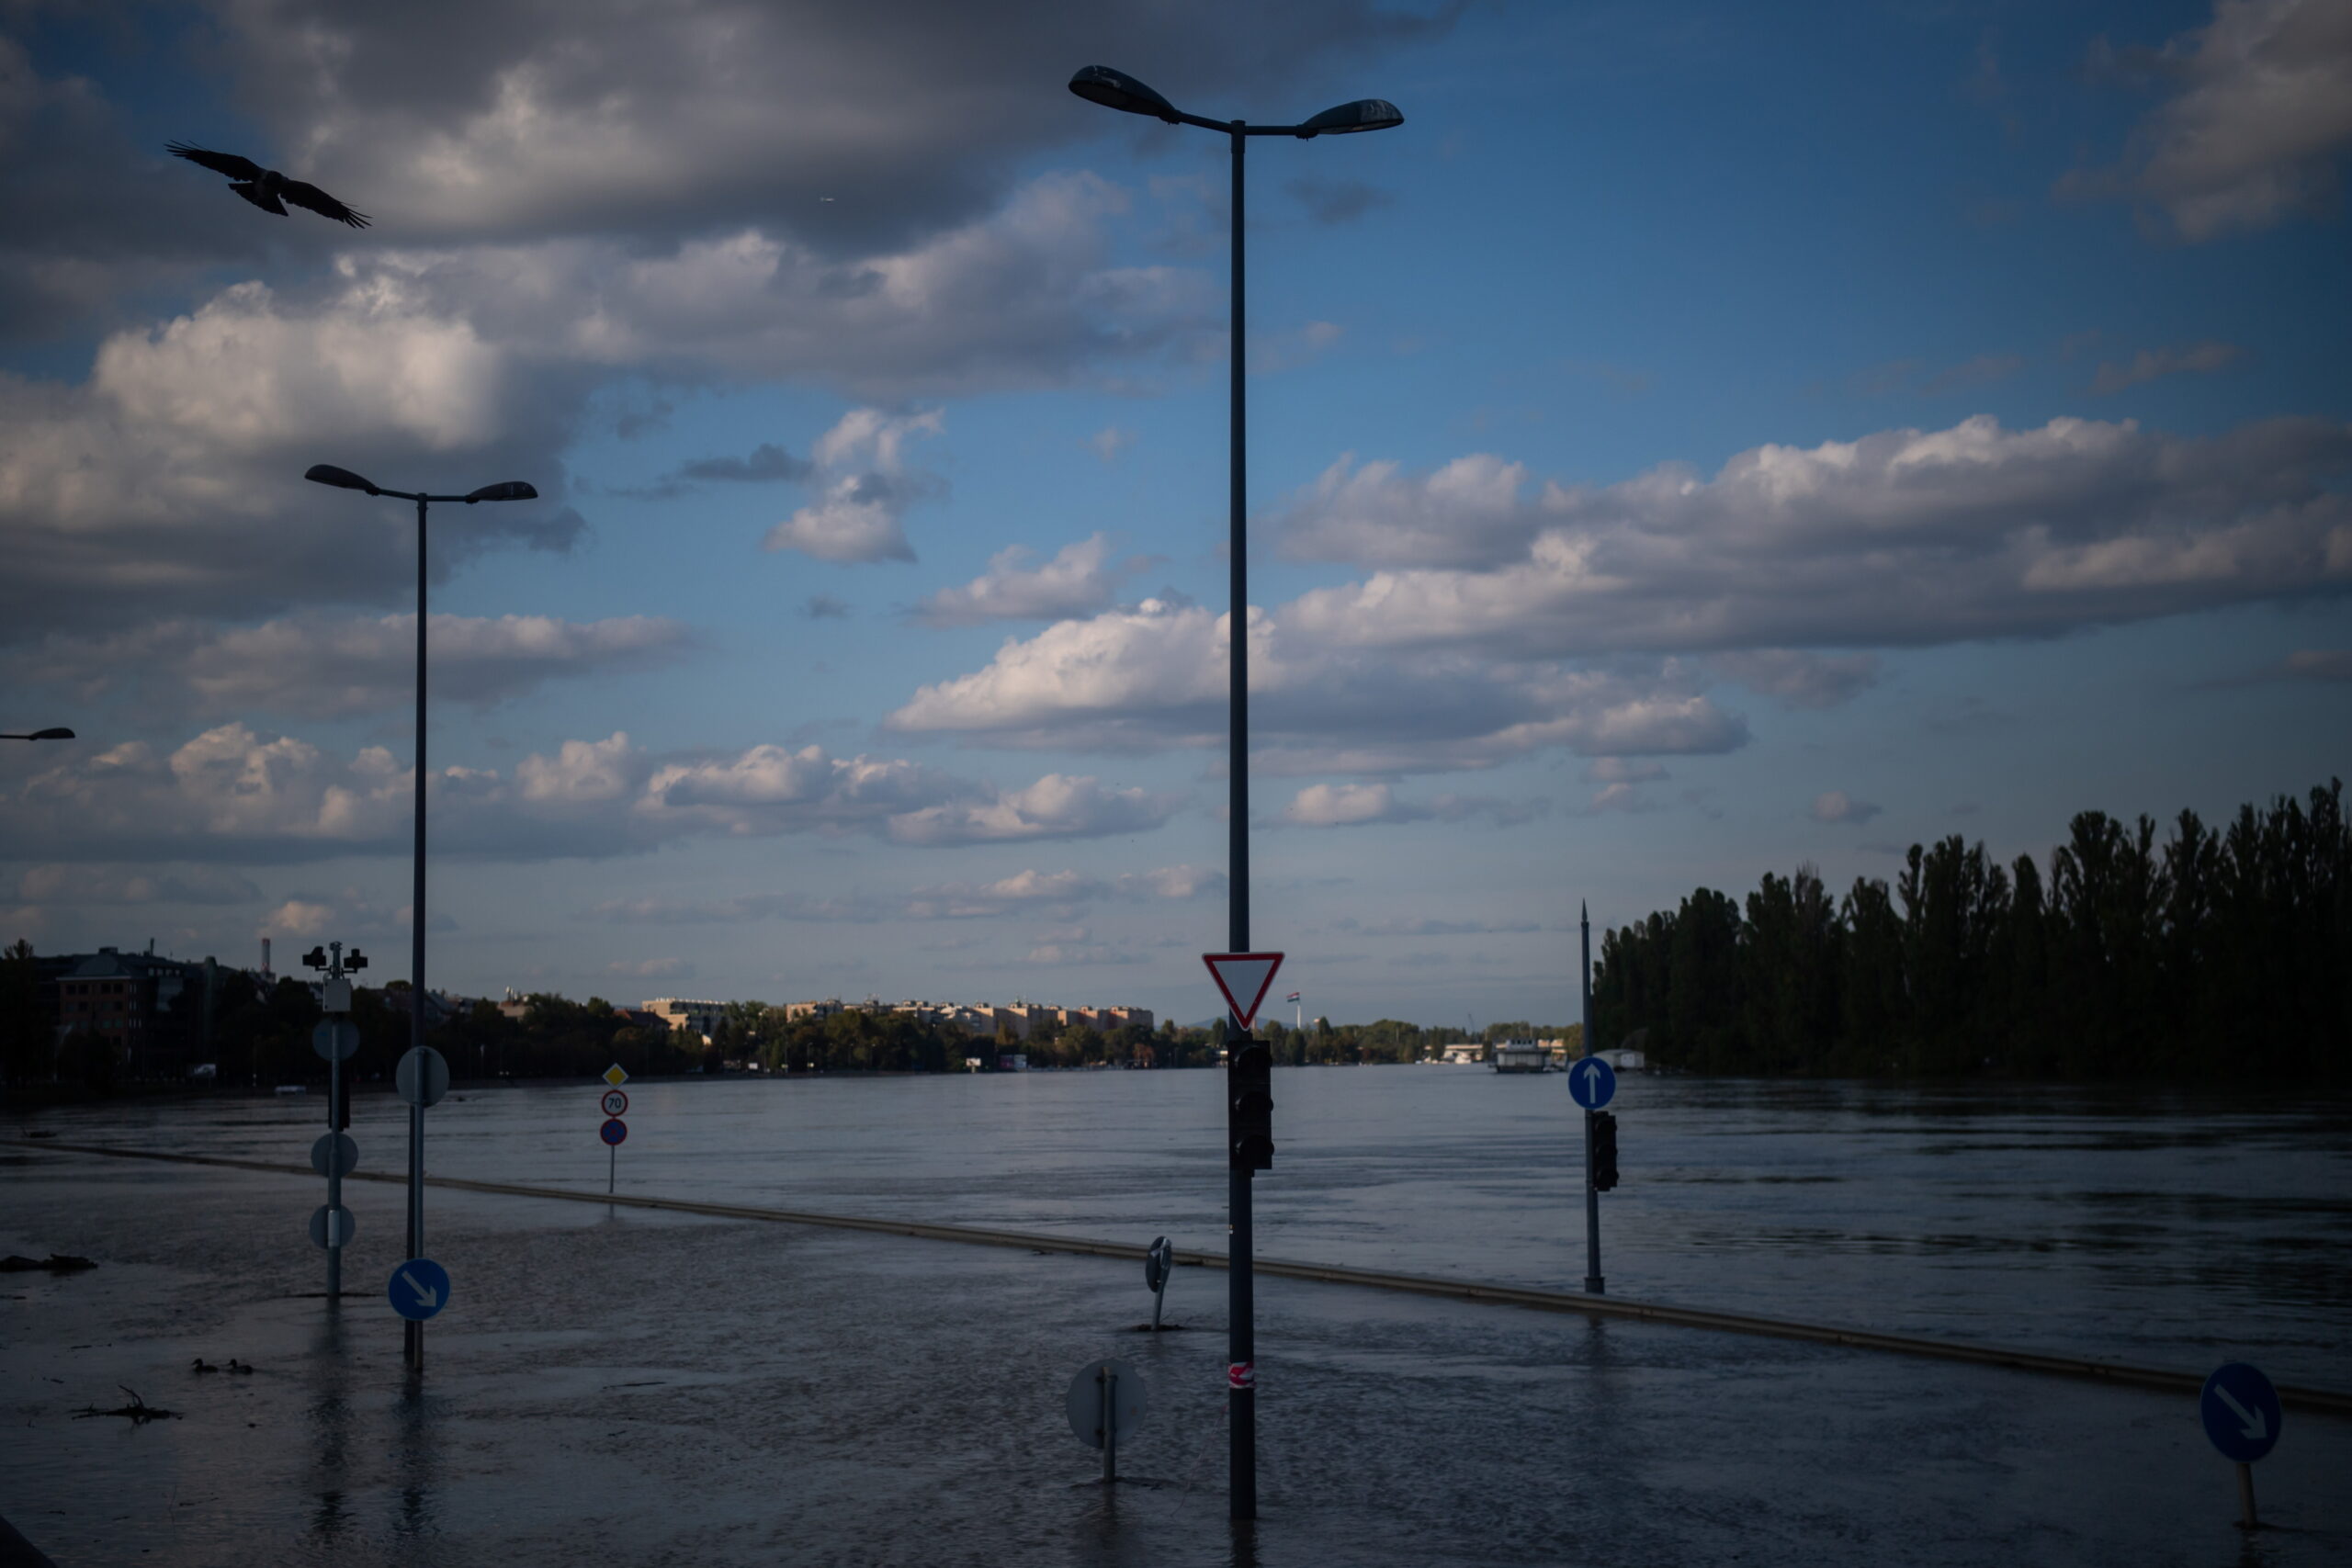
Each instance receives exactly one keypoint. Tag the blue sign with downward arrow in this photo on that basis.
(420, 1288)
(2241, 1412)
(1592, 1083)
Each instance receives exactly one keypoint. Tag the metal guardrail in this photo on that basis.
(2317, 1400)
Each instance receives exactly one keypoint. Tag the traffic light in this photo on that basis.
(1249, 1107)
(1604, 1151)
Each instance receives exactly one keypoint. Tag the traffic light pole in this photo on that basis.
(1593, 1283)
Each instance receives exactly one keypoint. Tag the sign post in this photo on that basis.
(1104, 1404)
(422, 1078)
(2242, 1417)
(334, 1155)
(1243, 979)
(614, 1131)
(1158, 1261)
(1593, 1282)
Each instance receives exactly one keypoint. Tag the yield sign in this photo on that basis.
(1244, 977)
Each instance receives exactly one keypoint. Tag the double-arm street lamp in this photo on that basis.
(1116, 90)
(513, 490)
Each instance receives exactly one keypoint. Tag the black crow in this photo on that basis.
(267, 188)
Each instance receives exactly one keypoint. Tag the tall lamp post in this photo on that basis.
(1116, 90)
(512, 490)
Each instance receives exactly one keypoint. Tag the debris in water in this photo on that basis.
(139, 1411)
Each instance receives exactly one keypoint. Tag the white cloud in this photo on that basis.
(869, 485)
(2258, 126)
(1362, 805)
(170, 482)
(1903, 538)
(1110, 441)
(233, 795)
(965, 901)
(1470, 512)
(1836, 805)
(1154, 676)
(323, 667)
(1079, 581)
(1056, 806)
(1344, 806)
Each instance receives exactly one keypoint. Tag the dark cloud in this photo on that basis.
(2256, 127)
(767, 464)
(848, 126)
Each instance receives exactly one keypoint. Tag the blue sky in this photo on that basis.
(1699, 440)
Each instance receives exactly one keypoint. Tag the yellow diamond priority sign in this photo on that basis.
(614, 1077)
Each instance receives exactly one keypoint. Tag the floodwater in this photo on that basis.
(645, 1387)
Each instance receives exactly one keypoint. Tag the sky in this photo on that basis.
(1701, 440)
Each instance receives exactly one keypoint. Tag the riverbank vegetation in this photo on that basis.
(2222, 950)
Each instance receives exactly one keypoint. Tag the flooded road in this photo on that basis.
(629, 1386)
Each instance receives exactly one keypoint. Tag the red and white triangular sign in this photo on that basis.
(1244, 977)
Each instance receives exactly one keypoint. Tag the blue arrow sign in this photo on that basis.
(420, 1288)
(2241, 1412)
(1592, 1083)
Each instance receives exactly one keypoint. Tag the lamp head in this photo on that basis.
(1365, 114)
(315, 959)
(342, 479)
(1117, 90)
(510, 490)
(61, 733)
(355, 959)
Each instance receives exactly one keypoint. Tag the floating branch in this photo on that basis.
(138, 1411)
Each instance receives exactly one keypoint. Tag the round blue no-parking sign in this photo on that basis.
(1592, 1083)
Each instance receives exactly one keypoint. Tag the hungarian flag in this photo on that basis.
(1293, 997)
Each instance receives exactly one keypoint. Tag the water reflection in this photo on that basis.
(331, 1422)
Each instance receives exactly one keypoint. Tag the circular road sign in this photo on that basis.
(1155, 1262)
(2241, 1412)
(422, 1077)
(335, 1040)
(615, 1102)
(335, 1155)
(419, 1289)
(1085, 1402)
(332, 1227)
(1592, 1083)
(613, 1131)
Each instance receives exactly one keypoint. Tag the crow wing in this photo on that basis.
(320, 202)
(227, 163)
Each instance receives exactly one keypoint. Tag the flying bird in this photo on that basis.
(267, 188)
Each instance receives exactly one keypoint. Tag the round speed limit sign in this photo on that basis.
(614, 1103)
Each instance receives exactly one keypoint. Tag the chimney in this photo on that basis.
(265, 959)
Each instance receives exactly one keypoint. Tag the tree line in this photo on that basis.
(256, 1037)
(2220, 948)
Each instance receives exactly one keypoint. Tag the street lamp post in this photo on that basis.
(1116, 90)
(412, 1341)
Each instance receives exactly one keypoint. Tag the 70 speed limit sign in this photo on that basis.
(615, 1102)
